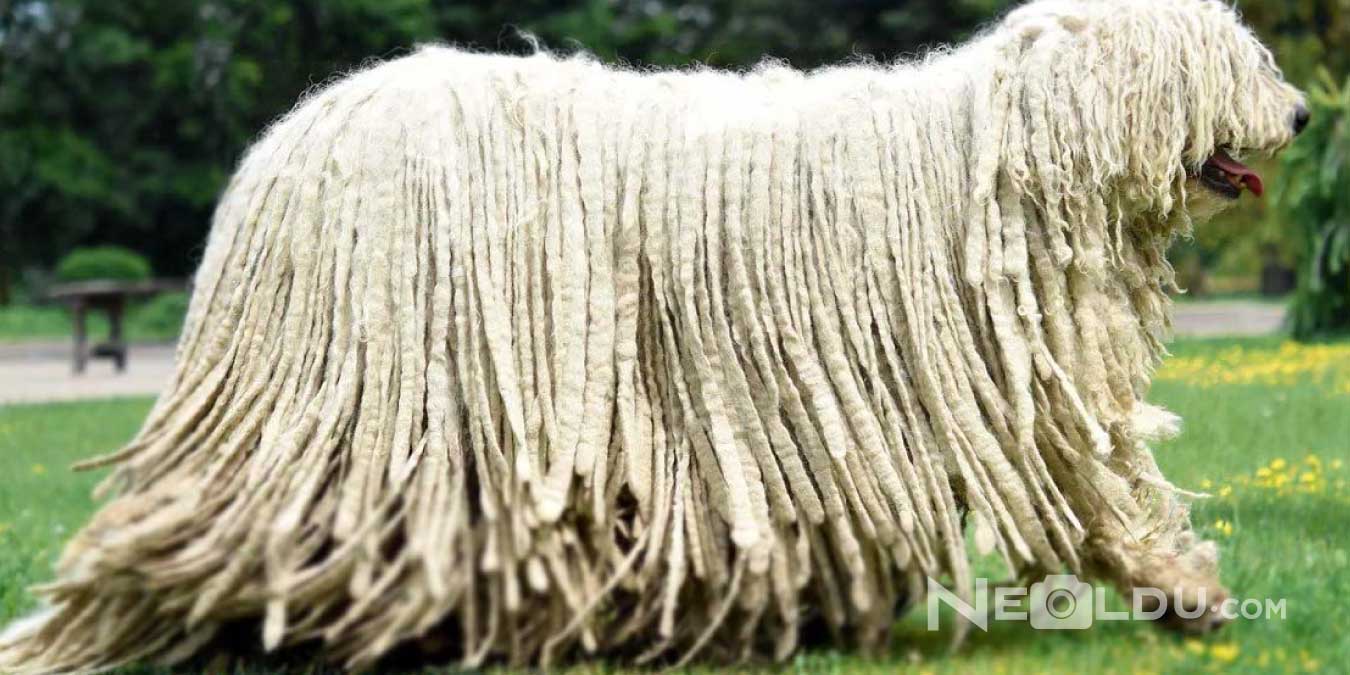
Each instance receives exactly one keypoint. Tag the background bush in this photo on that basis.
(103, 262)
(161, 316)
(1315, 196)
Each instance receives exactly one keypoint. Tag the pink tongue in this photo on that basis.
(1249, 178)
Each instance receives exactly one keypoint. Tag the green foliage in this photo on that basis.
(1305, 35)
(1316, 198)
(103, 262)
(121, 121)
(160, 317)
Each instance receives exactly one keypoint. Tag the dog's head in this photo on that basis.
(1165, 98)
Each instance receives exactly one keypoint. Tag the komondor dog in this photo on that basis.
(527, 359)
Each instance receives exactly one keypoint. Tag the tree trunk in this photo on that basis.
(5, 295)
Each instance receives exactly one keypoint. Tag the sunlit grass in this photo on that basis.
(1289, 364)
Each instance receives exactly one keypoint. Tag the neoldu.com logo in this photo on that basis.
(1064, 602)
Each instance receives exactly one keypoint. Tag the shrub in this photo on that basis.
(1315, 197)
(103, 262)
(161, 318)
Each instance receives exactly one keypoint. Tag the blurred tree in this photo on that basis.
(736, 33)
(121, 121)
(1305, 35)
(1316, 199)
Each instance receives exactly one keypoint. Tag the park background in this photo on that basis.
(121, 121)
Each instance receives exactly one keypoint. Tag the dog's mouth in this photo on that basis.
(1228, 177)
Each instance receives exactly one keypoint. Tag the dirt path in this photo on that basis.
(1228, 318)
(41, 372)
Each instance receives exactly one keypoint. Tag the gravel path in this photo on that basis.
(1227, 318)
(41, 371)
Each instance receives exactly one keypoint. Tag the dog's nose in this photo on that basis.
(1301, 117)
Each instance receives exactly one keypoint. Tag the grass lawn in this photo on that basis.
(1267, 433)
(154, 320)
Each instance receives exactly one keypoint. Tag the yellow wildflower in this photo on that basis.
(1310, 664)
(39, 470)
(1325, 365)
(1278, 464)
(1226, 652)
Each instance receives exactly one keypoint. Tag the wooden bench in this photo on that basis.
(111, 298)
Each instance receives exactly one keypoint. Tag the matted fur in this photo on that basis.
(539, 357)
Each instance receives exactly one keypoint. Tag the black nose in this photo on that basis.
(1301, 117)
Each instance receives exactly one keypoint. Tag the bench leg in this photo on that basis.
(119, 348)
(81, 337)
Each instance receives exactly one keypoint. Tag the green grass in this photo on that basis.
(1284, 543)
(154, 320)
(42, 501)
